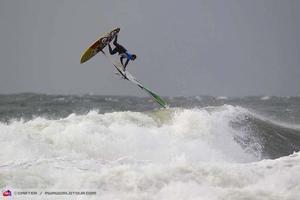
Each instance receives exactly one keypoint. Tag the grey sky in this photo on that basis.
(231, 48)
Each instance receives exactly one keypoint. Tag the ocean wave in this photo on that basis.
(225, 133)
(216, 152)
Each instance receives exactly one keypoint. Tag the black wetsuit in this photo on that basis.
(121, 50)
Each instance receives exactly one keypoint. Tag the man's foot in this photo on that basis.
(119, 75)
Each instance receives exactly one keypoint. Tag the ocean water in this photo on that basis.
(202, 147)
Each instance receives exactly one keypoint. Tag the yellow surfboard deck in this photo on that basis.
(97, 46)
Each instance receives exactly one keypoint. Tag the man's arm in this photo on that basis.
(112, 52)
(116, 41)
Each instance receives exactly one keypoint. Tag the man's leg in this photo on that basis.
(122, 60)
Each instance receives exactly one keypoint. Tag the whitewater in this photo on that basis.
(209, 148)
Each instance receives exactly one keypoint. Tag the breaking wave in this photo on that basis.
(223, 152)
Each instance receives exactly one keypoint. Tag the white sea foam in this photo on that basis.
(264, 98)
(222, 98)
(176, 154)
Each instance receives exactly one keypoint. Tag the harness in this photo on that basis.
(127, 55)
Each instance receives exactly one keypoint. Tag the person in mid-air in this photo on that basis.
(122, 52)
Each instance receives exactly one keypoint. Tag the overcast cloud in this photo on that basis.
(195, 47)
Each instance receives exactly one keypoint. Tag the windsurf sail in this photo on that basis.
(97, 46)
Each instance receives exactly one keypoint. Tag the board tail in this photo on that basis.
(127, 76)
(157, 98)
